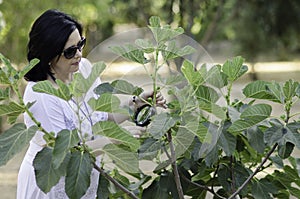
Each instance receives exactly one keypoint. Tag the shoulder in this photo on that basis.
(38, 98)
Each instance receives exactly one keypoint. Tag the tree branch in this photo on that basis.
(174, 166)
(115, 182)
(254, 173)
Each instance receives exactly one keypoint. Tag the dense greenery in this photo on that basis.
(257, 27)
(205, 143)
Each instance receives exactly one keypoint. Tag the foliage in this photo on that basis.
(199, 146)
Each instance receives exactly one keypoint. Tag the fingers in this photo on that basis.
(161, 101)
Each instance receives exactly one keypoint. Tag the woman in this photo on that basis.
(56, 40)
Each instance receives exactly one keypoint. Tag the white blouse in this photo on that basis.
(55, 114)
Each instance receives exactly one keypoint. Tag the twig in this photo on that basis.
(202, 187)
(115, 182)
(174, 166)
(254, 173)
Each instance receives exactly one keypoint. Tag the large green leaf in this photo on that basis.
(258, 90)
(81, 85)
(64, 141)
(107, 103)
(149, 149)
(46, 87)
(103, 188)
(172, 51)
(182, 141)
(276, 90)
(125, 160)
(130, 52)
(118, 87)
(8, 72)
(256, 139)
(215, 77)
(212, 108)
(146, 45)
(46, 176)
(290, 89)
(194, 77)
(78, 175)
(165, 33)
(13, 140)
(228, 142)
(114, 131)
(262, 189)
(251, 116)
(161, 124)
(234, 68)
(11, 108)
(206, 93)
(282, 134)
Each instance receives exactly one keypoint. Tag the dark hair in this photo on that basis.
(47, 38)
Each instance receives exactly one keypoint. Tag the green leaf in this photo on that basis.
(290, 89)
(28, 67)
(165, 33)
(285, 151)
(251, 116)
(107, 103)
(11, 108)
(78, 175)
(154, 21)
(276, 90)
(207, 94)
(4, 93)
(234, 68)
(13, 140)
(258, 90)
(146, 45)
(215, 77)
(172, 51)
(114, 131)
(118, 87)
(130, 52)
(47, 87)
(125, 160)
(161, 124)
(212, 108)
(64, 141)
(103, 188)
(149, 149)
(263, 188)
(182, 141)
(194, 77)
(228, 142)
(81, 85)
(46, 176)
(256, 139)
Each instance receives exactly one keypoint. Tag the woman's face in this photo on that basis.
(63, 68)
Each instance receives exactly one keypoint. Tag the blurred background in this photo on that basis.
(265, 32)
(258, 30)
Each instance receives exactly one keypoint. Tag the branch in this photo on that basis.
(254, 173)
(202, 187)
(174, 166)
(115, 182)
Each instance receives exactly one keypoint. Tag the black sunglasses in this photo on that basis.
(70, 52)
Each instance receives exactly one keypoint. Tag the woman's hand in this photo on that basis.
(142, 99)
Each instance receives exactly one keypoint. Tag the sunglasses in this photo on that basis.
(70, 52)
